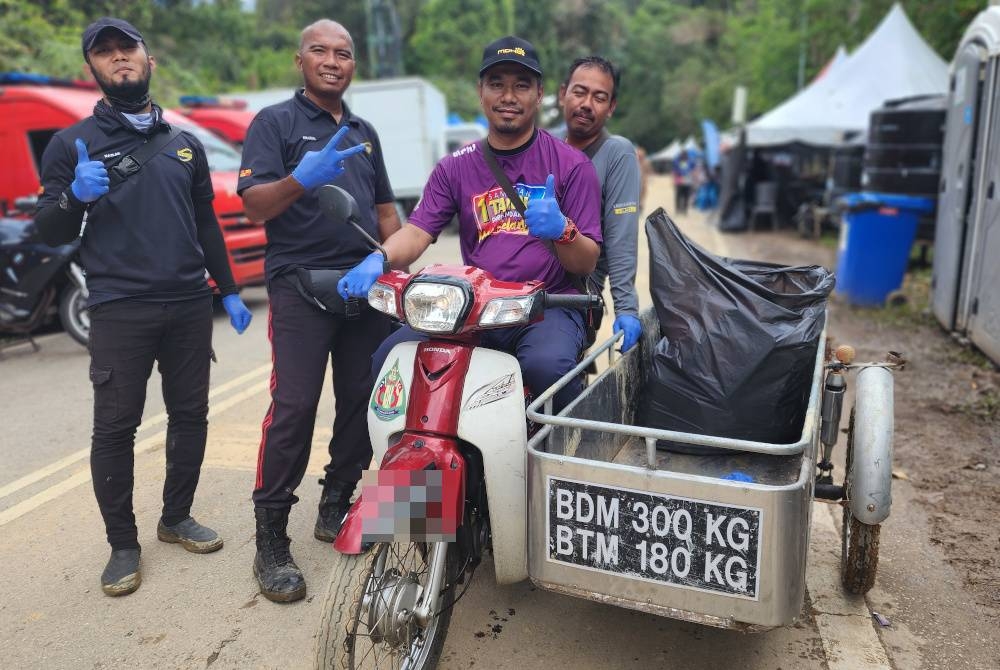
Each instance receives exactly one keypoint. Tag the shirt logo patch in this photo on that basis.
(246, 172)
(495, 214)
(368, 147)
(628, 209)
(309, 138)
(113, 154)
(185, 154)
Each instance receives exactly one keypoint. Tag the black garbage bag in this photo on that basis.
(738, 341)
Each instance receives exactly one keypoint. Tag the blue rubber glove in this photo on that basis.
(91, 176)
(632, 327)
(359, 279)
(543, 217)
(323, 166)
(239, 315)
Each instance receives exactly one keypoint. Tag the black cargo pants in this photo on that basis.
(303, 338)
(126, 337)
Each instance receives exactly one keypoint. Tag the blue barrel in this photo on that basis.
(876, 233)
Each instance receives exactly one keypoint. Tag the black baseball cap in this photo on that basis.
(93, 31)
(510, 49)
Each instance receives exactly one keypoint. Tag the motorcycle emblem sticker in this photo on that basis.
(389, 398)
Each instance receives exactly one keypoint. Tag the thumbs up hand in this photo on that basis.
(91, 176)
(543, 217)
(321, 167)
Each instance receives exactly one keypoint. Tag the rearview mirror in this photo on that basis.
(339, 205)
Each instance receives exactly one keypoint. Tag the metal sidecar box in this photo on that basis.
(719, 539)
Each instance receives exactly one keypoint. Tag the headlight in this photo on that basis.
(434, 308)
(507, 311)
(383, 298)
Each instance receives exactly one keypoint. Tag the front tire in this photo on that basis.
(363, 622)
(859, 541)
(73, 313)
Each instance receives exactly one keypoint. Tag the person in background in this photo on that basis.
(588, 97)
(148, 241)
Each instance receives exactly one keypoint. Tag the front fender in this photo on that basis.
(412, 508)
(870, 492)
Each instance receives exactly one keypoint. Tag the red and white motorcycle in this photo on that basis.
(448, 426)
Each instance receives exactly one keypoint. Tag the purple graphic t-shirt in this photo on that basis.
(492, 232)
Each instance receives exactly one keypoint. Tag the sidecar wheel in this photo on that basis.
(365, 592)
(859, 541)
(859, 560)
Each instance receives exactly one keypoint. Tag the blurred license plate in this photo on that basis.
(670, 540)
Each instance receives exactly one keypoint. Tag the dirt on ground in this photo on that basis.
(947, 411)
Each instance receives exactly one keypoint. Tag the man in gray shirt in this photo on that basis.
(588, 98)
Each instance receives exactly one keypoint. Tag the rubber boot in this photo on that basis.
(334, 504)
(279, 578)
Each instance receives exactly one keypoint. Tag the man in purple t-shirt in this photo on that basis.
(560, 232)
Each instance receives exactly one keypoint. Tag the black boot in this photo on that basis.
(279, 578)
(333, 506)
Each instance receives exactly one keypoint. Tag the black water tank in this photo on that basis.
(903, 154)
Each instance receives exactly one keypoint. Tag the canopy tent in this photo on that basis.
(667, 153)
(893, 62)
(832, 65)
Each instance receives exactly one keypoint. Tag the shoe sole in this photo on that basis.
(323, 535)
(124, 586)
(278, 596)
(193, 546)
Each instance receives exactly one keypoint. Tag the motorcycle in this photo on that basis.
(34, 277)
(449, 417)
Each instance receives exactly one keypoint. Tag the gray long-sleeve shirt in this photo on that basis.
(618, 170)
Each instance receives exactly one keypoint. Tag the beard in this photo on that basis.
(128, 96)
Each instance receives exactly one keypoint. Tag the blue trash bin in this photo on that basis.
(876, 233)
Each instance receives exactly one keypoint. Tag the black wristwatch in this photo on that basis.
(69, 202)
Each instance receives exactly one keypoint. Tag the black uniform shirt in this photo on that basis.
(302, 236)
(140, 240)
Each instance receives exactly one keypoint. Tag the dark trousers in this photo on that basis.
(126, 338)
(546, 350)
(303, 338)
(682, 197)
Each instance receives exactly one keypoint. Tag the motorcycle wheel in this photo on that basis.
(859, 541)
(365, 622)
(73, 313)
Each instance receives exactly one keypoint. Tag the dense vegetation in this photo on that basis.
(680, 58)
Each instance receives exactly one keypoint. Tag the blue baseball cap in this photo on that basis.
(94, 30)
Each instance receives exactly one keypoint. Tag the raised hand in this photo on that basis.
(321, 167)
(543, 216)
(91, 180)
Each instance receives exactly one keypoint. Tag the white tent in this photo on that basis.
(894, 62)
(668, 153)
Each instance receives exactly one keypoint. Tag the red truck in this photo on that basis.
(229, 119)
(34, 108)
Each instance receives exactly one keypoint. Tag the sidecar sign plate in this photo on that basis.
(679, 542)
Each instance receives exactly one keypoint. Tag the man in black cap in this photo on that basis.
(150, 235)
(558, 236)
(292, 148)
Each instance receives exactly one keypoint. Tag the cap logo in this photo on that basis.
(517, 50)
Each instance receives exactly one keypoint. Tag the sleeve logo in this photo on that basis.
(246, 172)
(185, 154)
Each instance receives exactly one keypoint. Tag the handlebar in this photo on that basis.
(573, 300)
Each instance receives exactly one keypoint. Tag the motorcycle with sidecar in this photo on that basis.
(581, 502)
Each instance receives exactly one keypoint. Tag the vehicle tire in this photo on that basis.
(859, 541)
(73, 313)
(351, 635)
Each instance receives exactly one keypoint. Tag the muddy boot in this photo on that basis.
(191, 535)
(121, 575)
(279, 578)
(333, 506)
